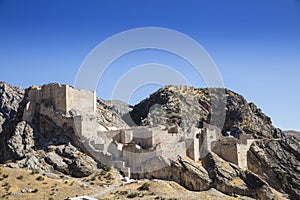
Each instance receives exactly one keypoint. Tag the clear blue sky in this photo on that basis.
(254, 43)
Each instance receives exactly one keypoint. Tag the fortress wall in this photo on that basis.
(169, 138)
(63, 98)
(193, 148)
(82, 100)
(53, 95)
(143, 137)
(242, 150)
(227, 151)
(123, 136)
(135, 158)
(172, 150)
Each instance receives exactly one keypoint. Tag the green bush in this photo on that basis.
(40, 178)
(145, 186)
(20, 177)
(282, 177)
(34, 171)
(133, 195)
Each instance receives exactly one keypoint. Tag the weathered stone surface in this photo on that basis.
(230, 179)
(82, 166)
(56, 161)
(172, 105)
(10, 97)
(108, 117)
(119, 107)
(191, 176)
(49, 145)
(278, 162)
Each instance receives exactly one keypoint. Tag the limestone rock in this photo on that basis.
(10, 97)
(82, 166)
(108, 118)
(119, 107)
(278, 162)
(56, 161)
(22, 140)
(186, 106)
(231, 180)
(192, 177)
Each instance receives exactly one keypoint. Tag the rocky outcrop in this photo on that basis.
(110, 115)
(278, 162)
(212, 172)
(10, 97)
(291, 132)
(230, 179)
(119, 107)
(43, 145)
(27, 147)
(187, 106)
(192, 177)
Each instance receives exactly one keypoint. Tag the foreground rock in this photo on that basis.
(215, 173)
(10, 97)
(43, 144)
(278, 162)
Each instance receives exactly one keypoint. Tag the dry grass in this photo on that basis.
(13, 181)
(23, 184)
(161, 190)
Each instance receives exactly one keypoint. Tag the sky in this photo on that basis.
(255, 45)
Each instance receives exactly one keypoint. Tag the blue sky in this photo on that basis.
(254, 43)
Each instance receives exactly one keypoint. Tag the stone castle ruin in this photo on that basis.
(133, 150)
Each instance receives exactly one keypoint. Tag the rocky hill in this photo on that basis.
(187, 106)
(43, 145)
(273, 160)
(10, 97)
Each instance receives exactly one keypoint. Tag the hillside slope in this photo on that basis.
(187, 106)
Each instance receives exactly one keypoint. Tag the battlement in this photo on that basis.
(63, 98)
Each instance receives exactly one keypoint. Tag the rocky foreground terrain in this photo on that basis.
(53, 152)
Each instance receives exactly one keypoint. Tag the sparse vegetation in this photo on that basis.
(145, 186)
(282, 177)
(20, 177)
(35, 190)
(34, 171)
(106, 168)
(5, 176)
(40, 178)
(133, 195)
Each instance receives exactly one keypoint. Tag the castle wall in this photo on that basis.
(227, 150)
(63, 98)
(242, 150)
(135, 157)
(52, 95)
(145, 137)
(172, 150)
(192, 148)
(82, 100)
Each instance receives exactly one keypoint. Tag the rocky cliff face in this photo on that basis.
(43, 145)
(109, 117)
(10, 97)
(214, 172)
(273, 161)
(119, 107)
(278, 162)
(186, 105)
